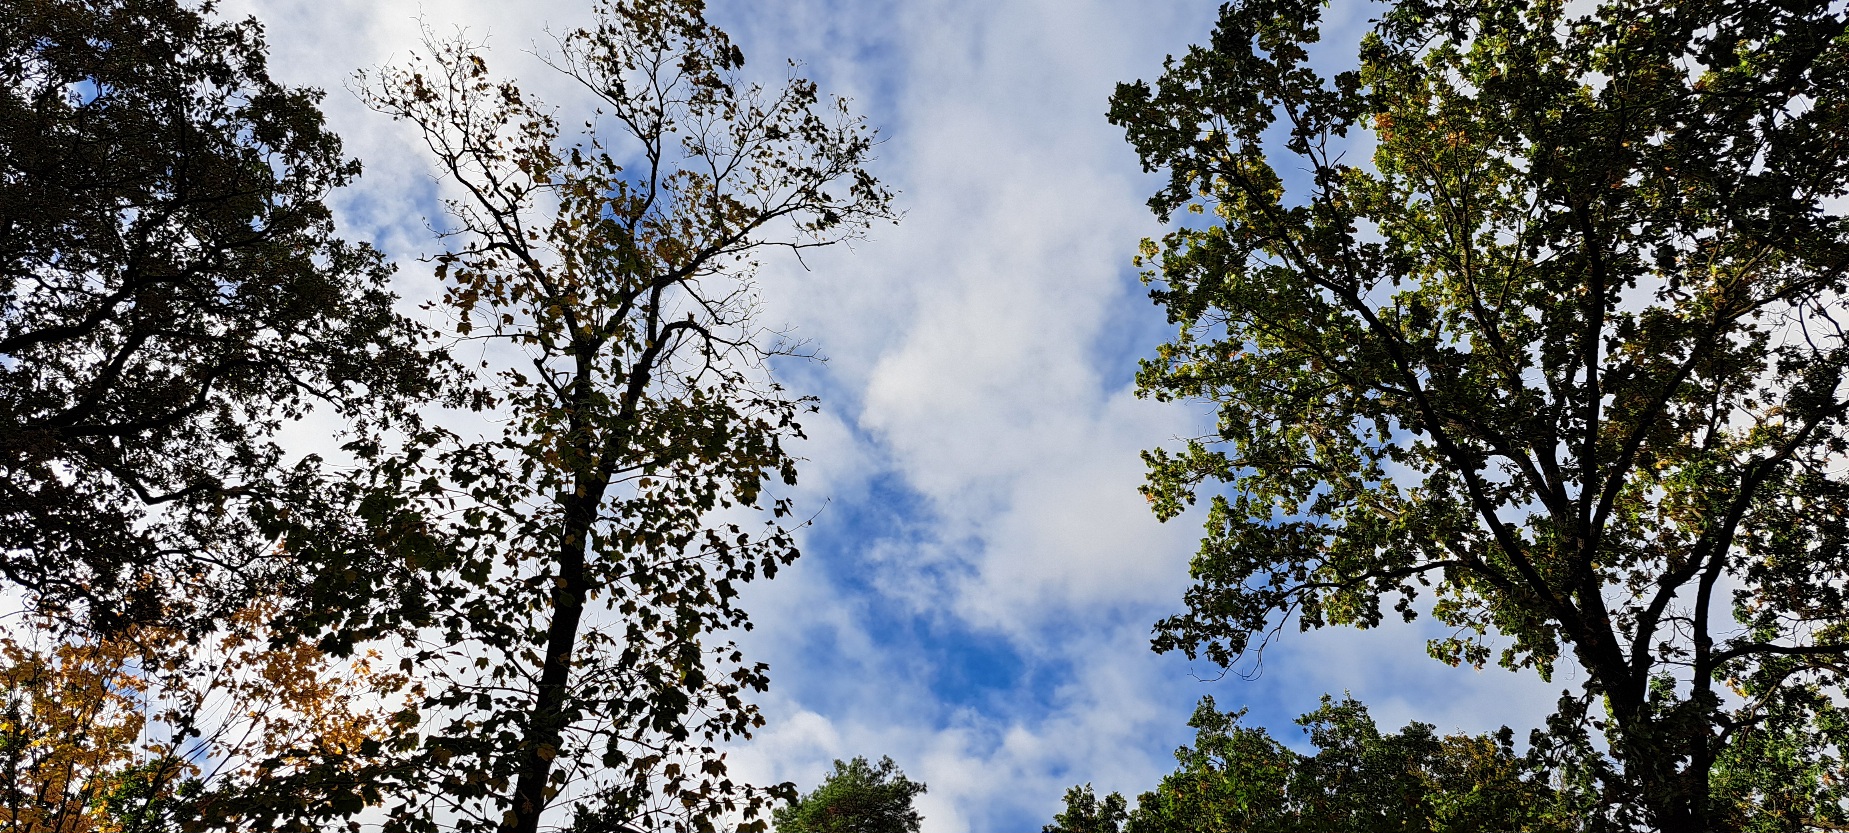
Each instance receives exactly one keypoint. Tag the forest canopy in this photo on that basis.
(1522, 323)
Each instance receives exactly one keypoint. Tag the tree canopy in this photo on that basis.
(857, 797)
(1526, 318)
(171, 292)
(1531, 318)
(580, 658)
(1238, 779)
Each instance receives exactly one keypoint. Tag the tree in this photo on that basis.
(583, 661)
(171, 292)
(1241, 780)
(125, 735)
(1566, 354)
(858, 797)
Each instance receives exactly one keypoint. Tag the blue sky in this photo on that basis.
(978, 588)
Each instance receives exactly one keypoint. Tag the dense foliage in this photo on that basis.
(1537, 309)
(171, 293)
(1236, 779)
(857, 797)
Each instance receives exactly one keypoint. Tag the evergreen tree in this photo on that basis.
(857, 797)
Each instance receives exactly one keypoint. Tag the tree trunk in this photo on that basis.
(1675, 795)
(546, 720)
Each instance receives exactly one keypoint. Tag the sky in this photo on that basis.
(977, 590)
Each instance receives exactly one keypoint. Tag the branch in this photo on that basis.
(1756, 648)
